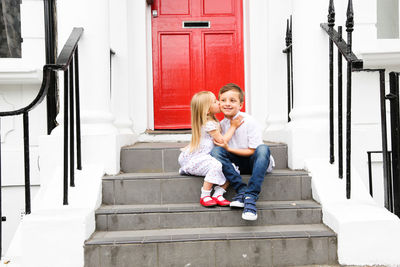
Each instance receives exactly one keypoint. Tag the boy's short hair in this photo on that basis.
(233, 87)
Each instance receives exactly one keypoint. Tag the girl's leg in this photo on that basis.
(207, 186)
(205, 198)
(218, 195)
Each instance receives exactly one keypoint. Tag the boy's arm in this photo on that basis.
(243, 152)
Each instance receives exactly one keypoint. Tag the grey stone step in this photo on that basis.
(277, 245)
(163, 157)
(168, 188)
(147, 217)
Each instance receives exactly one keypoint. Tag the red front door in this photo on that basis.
(197, 45)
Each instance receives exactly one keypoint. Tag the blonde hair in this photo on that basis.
(200, 106)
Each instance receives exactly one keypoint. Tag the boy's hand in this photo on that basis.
(237, 121)
(222, 144)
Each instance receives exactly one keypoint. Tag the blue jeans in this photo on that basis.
(256, 165)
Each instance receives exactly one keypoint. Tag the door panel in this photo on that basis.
(219, 66)
(189, 60)
(174, 7)
(175, 65)
(218, 7)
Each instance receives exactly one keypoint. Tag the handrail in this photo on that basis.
(62, 63)
(342, 46)
(67, 53)
(38, 99)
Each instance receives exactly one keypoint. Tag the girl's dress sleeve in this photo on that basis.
(210, 126)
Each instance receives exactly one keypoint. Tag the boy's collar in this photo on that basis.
(234, 117)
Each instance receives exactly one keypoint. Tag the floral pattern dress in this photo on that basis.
(200, 162)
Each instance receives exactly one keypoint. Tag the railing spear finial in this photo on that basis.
(349, 25)
(331, 14)
(350, 17)
(287, 33)
(288, 38)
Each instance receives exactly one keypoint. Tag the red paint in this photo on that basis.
(189, 60)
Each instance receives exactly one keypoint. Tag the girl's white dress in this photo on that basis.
(200, 162)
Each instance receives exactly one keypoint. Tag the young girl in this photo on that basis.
(195, 158)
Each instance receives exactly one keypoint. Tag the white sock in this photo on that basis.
(205, 193)
(218, 191)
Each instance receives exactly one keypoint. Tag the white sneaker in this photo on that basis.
(237, 204)
(249, 216)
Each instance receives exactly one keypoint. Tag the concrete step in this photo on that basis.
(169, 188)
(163, 157)
(148, 217)
(277, 245)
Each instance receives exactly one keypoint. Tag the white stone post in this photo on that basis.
(307, 133)
(120, 66)
(101, 140)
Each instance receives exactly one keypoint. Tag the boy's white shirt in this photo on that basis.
(248, 135)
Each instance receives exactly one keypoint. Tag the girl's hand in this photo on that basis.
(237, 121)
(222, 144)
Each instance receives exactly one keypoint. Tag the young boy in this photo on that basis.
(245, 149)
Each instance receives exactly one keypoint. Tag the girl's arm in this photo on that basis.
(235, 123)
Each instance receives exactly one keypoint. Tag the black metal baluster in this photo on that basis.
(27, 164)
(385, 155)
(51, 54)
(331, 23)
(291, 60)
(394, 110)
(287, 51)
(2, 219)
(71, 125)
(65, 199)
(78, 113)
(349, 29)
(340, 107)
(370, 173)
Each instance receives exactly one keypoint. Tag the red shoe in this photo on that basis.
(207, 201)
(221, 201)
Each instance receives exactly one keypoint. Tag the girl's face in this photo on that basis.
(214, 108)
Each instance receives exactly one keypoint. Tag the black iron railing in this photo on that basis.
(370, 177)
(393, 98)
(68, 63)
(289, 62)
(344, 50)
(50, 17)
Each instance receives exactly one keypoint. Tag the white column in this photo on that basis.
(94, 59)
(276, 17)
(120, 66)
(307, 133)
(101, 140)
(140, 65)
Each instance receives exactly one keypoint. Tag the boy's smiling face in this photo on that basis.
(230, 103)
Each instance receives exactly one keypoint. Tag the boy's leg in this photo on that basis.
(229, 171)
(259, 162)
